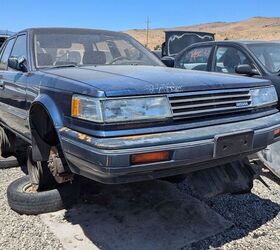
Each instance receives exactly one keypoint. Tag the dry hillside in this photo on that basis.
(257, 28)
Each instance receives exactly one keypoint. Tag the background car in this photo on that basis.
(177, 40)
(3, 39)
(252, 58)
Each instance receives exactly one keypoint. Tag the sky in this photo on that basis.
(121, 15)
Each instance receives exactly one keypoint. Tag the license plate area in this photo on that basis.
(233, 144)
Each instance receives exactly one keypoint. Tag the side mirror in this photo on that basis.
(246, 69)
(17, 63)
(168, 61)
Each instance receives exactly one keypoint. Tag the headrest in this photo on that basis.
(231, 60)
(44, 59)
(75, 57)
(94, 57)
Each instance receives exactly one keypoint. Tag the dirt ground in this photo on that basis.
(154, 215)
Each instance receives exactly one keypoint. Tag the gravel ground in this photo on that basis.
(20, 231)
(256, 219)
(256, 216)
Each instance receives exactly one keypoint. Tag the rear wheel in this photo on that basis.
(7, 149)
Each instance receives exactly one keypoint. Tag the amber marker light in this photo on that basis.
(75, 110)
(145, 158)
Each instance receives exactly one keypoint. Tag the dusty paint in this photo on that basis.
(164, 88)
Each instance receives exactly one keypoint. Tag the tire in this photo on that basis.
(36, 203)
(7, 149)
(9, 162)
(39, 173)
(175, 179)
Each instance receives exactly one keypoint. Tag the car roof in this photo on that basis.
(70, 30)
(240, 42)
(188, 31)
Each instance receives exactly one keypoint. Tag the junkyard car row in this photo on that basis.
(98, 104)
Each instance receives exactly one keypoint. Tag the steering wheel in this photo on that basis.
(119, 58)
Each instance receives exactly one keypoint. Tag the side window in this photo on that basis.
(6, 54)
(19, 48)
(196, 58)
(227, 58)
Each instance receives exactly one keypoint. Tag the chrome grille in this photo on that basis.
(209, 103)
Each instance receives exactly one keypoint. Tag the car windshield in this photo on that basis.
(268, 54)
(81, 47)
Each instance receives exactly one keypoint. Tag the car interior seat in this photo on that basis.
(94, 57)
(44, 59)
(231, 60)
(75, 57)
(72, 57)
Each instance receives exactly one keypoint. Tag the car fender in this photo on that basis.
(51, 108)
(40, 149)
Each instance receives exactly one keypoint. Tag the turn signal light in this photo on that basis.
(277, 132)
(75, 109)
(145, 158)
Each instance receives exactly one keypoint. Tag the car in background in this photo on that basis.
(258, 59)
(177, 40)
(3, 38)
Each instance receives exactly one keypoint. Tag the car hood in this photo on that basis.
(142, 80)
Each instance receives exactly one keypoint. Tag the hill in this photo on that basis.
(5, 32)
(256, 28)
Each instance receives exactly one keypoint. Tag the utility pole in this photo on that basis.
(147, 32)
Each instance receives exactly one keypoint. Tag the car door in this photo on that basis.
(13, 89)
(4, 74)
(227, 58)
(195, 58)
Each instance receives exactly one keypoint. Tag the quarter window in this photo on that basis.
(6, 53)
(227, 58)
(196, 59)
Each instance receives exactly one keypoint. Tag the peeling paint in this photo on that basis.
(64, 129)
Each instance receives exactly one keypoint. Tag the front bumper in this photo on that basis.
(107, 160)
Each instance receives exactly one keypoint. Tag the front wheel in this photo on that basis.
(39, 172)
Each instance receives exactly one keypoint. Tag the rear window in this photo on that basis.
(196, 58)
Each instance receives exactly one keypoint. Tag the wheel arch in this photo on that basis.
(44, 121)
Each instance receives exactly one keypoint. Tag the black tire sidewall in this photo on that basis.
(9, 162)
(40, 202)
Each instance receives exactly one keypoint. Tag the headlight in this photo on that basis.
(120, 110)
(86, 108)
(264, 96)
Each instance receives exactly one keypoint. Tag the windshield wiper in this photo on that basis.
(63, 66)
